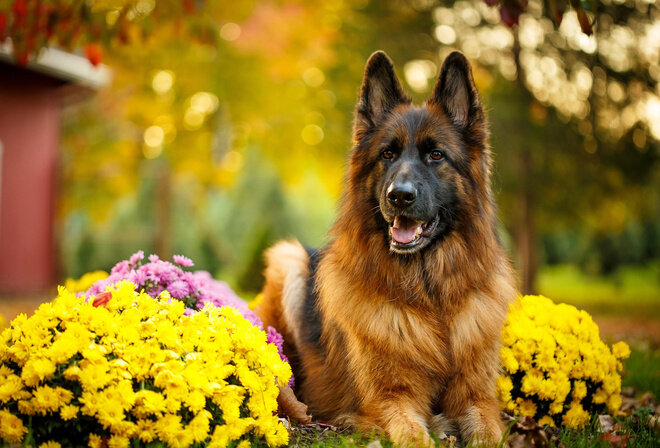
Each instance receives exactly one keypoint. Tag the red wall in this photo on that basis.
(29, 131)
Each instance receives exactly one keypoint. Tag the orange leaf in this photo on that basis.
(101, 299)
(94, 53)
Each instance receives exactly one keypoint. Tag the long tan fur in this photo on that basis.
(407, 346)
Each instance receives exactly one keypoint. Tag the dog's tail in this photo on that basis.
(287, 275)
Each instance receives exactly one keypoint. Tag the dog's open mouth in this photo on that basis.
(409, 235)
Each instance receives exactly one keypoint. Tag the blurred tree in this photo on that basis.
(605, 85)
(198, 82)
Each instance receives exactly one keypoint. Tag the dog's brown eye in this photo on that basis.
(437, 155)
(388, 154)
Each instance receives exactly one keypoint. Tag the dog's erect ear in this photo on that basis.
(380, 93)
(456, 93)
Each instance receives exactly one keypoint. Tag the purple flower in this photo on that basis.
(178, 289)
(136, 258)
(153, 258)
(120, 268)
(182, 261)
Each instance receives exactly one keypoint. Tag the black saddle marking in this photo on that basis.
(311, 318)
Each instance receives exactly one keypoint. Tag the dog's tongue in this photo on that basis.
(405, 230)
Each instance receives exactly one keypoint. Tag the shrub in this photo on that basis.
(556, 368)
(194, 289)
(138, 371)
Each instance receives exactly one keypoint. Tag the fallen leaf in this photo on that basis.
(654, 423)
(628, 391)
(289, 406)
(526, 432)
(606, 423)
(616, 440)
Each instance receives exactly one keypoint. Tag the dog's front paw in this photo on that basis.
(410, 435)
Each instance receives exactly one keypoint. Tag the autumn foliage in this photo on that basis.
(35, 24)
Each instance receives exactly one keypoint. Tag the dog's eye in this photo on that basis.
(388, 154)
(437, 155)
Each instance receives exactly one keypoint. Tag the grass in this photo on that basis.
(642, 372)
(632, 290)
(637, 431)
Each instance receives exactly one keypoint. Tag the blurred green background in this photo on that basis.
(227, 128)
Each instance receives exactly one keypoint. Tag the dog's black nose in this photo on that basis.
(402, 194)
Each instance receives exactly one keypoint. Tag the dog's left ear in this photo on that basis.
(456, 92)
(380, 93)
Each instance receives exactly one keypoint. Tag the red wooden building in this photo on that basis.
(30, 102)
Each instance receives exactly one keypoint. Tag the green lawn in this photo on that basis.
(642, 371)
(632, 289)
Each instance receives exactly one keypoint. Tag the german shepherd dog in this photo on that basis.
(395, 324)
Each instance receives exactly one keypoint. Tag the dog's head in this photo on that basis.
(426, 167)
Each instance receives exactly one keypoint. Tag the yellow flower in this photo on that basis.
(576, 416)
(118, 442)
(145, 430)
(84, 282)
(95, 441)
(10, 386)
(199, 426)
(11, 427)
(508, 360)
(110, 413)
(69, 412)
(547, 420)
(579, 390)
(50, 444)
(527, 407)
(148, 402)
(620, 350)
(36, 370)
(47, 399)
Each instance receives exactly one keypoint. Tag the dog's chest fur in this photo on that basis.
(409, 336)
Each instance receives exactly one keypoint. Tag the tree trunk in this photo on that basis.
(525, 226)
(525, 231)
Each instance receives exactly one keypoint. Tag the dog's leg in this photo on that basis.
(470, 401)
(443, 426)
(400, 419)
(469, 397)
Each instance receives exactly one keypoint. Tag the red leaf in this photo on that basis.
(22, 58)
(20, 8)
(616, 440)
(509, 15)
(94, 53)
(3, 24)
(585, 23)
(101, 299)
(556, 10)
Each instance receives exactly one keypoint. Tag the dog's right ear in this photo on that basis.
(380, 93)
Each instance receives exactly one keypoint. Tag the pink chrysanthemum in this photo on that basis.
(182, 261)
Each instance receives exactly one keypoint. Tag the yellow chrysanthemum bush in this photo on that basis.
(556, 368)
(123, 368)
(84, 282)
